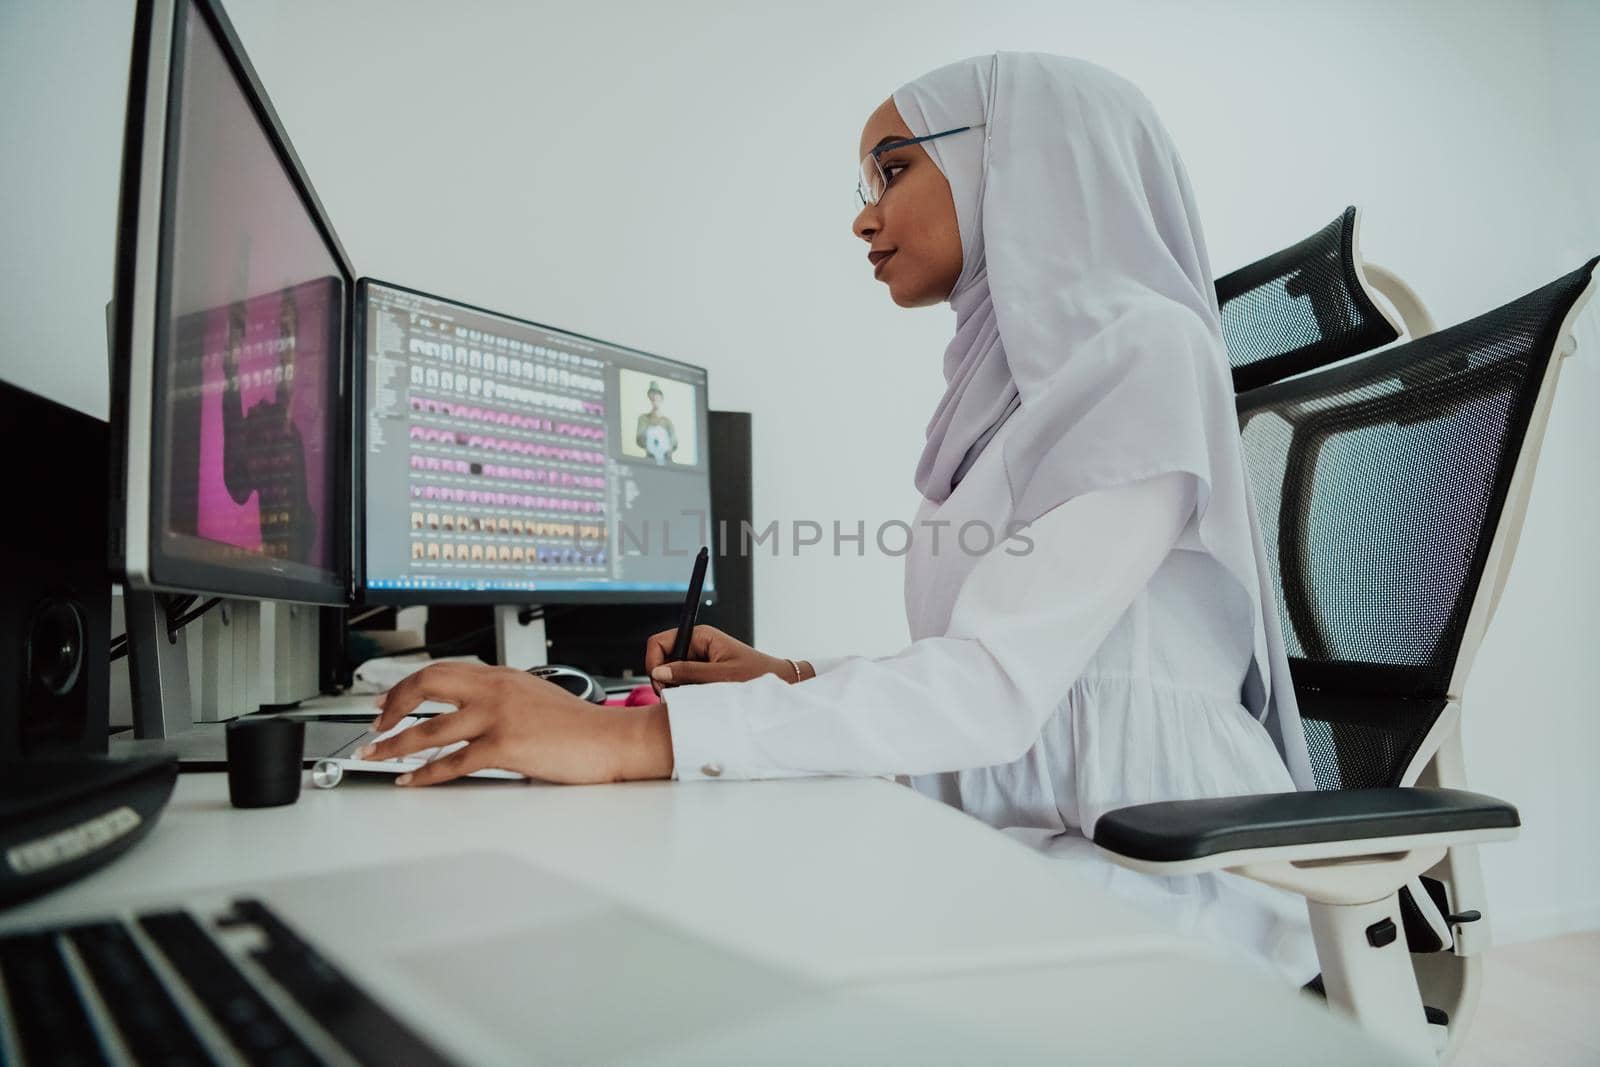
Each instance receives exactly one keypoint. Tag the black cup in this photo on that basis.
(264, 758)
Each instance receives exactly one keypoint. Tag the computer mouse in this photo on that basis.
(574, 681)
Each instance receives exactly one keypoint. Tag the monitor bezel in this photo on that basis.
(143, 292)
(358, 357)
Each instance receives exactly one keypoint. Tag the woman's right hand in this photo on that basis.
(713, 657)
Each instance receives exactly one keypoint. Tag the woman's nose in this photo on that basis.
(866, 223)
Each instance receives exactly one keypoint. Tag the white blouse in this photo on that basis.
(1094, 665)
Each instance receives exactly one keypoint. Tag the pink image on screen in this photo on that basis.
(280, 440)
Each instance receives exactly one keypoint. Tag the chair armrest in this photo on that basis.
(1183, 836)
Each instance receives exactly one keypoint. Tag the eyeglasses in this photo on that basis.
(873, 181)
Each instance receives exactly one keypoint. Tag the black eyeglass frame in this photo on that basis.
(862, 186)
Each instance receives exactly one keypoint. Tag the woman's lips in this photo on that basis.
(878, 260)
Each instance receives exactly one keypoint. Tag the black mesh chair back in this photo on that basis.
(1302, 308)
(1380, 485)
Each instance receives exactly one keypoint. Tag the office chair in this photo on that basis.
(1391, 491)
(1313, 304)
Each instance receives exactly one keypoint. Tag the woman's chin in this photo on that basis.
(908, 290)
(919, 297)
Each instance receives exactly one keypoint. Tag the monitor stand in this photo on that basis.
(158, 669)
(519, 639)
(167, 717)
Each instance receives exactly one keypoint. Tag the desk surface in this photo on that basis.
(857, 882)
(840, 879)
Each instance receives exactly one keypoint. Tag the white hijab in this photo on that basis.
(1086, 311)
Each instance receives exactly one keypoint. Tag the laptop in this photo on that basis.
(471, 959)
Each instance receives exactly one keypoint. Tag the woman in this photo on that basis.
(1132, 653)
(655, 432)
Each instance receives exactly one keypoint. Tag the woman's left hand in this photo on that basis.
(516, 722)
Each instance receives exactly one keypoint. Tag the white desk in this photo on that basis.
(840, 879)
(946, 937)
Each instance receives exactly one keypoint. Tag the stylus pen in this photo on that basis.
(691, 606)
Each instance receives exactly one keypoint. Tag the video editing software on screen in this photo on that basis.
(501, 455)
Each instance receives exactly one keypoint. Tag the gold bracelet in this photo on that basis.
(796, 667)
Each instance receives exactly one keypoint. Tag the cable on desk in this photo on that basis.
(177, 618)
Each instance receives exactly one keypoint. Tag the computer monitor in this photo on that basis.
(230, 341)
(507, 462)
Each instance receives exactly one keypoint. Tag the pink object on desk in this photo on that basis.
(640, 696)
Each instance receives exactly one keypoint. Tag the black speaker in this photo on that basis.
(335, 672)
(55, 585)
(734, 613)
(608, 639)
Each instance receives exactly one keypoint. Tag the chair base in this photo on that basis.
(1452, 982)
(1366, 971)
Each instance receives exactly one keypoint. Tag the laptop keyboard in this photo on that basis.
(144, 1014)
(49, 1021)
(91, 993)
(254, 1029)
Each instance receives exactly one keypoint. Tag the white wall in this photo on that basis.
(680, 177)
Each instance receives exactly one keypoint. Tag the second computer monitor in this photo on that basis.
(504, 461)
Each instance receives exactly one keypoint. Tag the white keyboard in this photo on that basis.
(329, 772)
